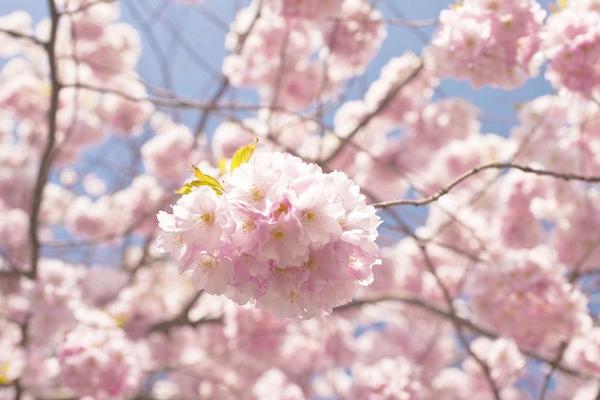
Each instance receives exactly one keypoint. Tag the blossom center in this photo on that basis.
(293, 296)
(256, 194)
(208, 264)
(178, 239)
(310, 264)
(207, 218)
(121, 319)
(282, 209)
(309, 215)
(248, 225)
(278, 234)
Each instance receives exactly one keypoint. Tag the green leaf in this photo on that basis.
(4, 374)
(243, 155)
(222, 165)
(201, 180)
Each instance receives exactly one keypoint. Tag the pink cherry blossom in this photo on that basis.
(387, 379)
(353, 37)
(296, 241)
(570, 42)
(99, 362)
(489, 42)
(541, 291)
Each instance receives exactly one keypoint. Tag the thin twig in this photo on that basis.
(23, 36)
(457, 325)
(422, 23)
(224, 85)
(564, 345)
(183, 318)
(445, 190)
(367, 118)
(86, 6)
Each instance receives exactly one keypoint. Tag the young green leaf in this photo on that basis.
(243, 155)
(201, 180)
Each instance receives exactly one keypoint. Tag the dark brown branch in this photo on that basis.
(46, 160)
(183, 318)
(553, 365)
(445, 190)
(86, 6)
(19, 35)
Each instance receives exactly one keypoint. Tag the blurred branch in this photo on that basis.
(189, 48)
(422, 23)
(224, 85)
(87, 6)
(183, 318)
(573, 277)
(210, 16)
(453, 317)
(19, 35)
(367, 118)
(164, 63)
(443, 313)
(180, 102)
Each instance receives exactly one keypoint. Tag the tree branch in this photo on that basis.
(183, 318)
(46, 160)
(224, 85)
(367, 118)
(443, 313)
(445, 190)
(19, 35)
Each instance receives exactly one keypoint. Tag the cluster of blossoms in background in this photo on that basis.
(383, 240)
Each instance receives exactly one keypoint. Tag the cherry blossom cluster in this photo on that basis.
(530, 302)
(299, 53)
(99, 362)
(489, 42)
(281, 233)
(571, 42)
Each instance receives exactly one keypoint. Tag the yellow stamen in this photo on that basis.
(207, 218)
(208, 264)
(310, 264)
(178, 239)
(309, 215)
(121, 320)
(248, 225)
(256, 194)
(278, 234)
(292, 297)
(282, 209)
